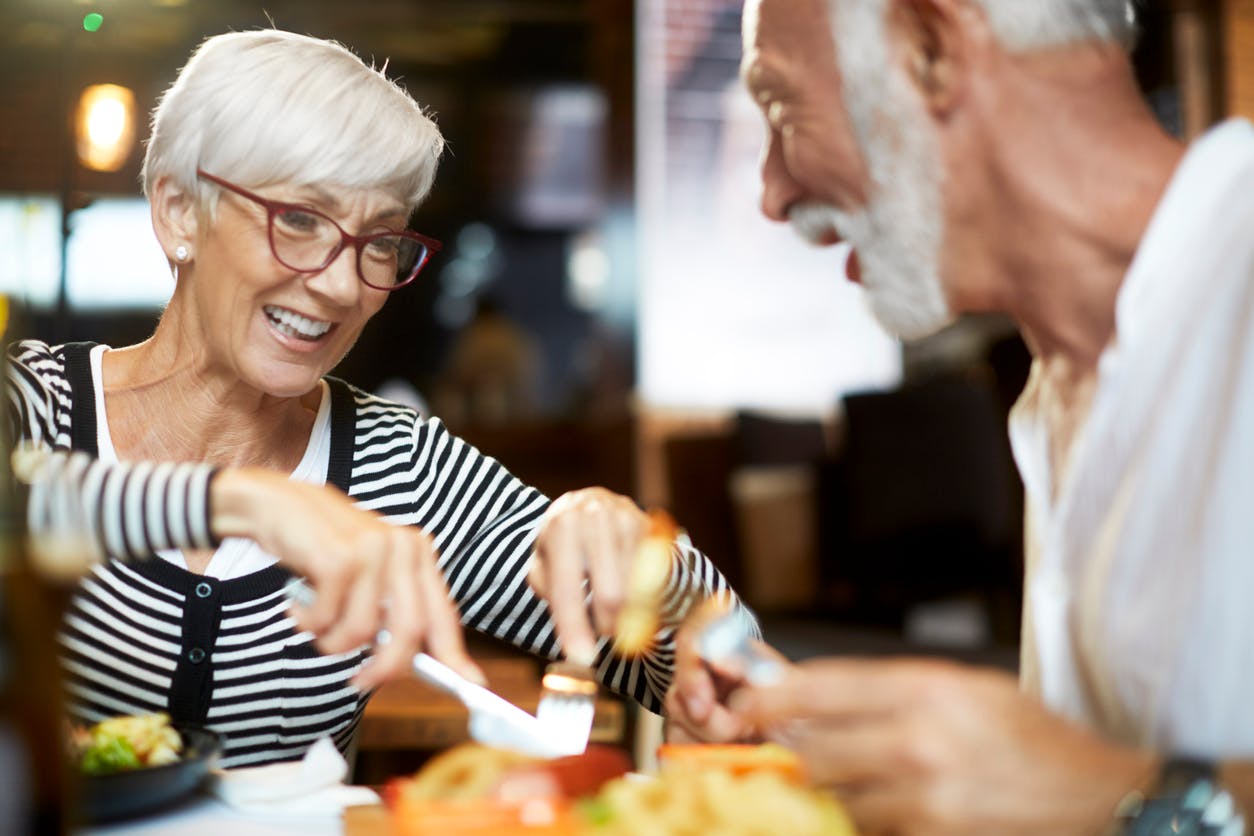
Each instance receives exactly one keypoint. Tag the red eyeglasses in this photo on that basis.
(305, 240)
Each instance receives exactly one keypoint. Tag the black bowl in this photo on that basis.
(134, 792)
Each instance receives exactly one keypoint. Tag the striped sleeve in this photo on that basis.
(127, 511)
(38, 402)
(485, 530)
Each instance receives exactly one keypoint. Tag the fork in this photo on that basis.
(494, 720)
(568, 699)
(566, 707)
(727, 639)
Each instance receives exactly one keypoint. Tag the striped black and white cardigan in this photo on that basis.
(146, 635)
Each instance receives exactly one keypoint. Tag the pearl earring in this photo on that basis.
(181, 254)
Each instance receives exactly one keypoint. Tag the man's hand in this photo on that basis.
(928, 747)
(696, 704)
(367, 574)
(591, 535)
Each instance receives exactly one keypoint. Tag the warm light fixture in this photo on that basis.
(105, 126)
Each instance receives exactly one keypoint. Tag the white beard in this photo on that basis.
(898, 233)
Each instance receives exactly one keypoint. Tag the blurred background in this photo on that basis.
(609, 307)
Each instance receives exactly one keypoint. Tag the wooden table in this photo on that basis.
(367, 821)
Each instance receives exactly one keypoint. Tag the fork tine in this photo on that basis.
(493, 720)
(567, 704)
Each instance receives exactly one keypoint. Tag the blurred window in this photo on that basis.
(30, 248)
(734, 310)
(114, 260)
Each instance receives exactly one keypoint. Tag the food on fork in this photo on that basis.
(646, 584)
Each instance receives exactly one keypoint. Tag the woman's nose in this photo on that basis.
(339, 280)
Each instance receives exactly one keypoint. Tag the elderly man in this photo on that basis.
(996, 155)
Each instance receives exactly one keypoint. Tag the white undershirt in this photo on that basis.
(1138, 618)
(236, 556)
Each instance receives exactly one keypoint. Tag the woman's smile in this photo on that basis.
(305, 332)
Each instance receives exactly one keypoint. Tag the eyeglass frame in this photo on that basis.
(273, 207)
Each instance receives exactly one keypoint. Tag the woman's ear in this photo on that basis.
(175, 219)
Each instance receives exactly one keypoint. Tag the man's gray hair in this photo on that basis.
(1023, 25)
(1031, 24)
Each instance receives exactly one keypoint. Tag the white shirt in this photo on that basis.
(1139, 605)
(237, 556)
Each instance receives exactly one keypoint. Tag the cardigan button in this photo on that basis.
(196, 655)
(203, 590)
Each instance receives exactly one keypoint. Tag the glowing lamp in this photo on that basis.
(105, 126)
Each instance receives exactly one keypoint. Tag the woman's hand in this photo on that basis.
(928, 747)
(591, 535)
(368, 574)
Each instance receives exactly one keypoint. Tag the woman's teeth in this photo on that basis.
(294, 325)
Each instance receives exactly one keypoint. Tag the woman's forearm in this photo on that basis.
(128, 510)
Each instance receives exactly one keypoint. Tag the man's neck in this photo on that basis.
(1079, 166)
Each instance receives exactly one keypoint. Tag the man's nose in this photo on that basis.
(779, 190)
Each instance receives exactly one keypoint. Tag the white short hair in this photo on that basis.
(1032, 24)
(268, 106)
(1022, 25)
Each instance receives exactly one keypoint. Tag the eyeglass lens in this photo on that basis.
(305, 240)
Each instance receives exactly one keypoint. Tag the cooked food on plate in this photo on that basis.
(733, 790)
(736, 758)
(472, 772)
(122, 743)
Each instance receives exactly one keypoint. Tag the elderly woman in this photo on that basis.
(282, 172)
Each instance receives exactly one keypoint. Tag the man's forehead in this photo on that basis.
(785, 31)
(774, 29)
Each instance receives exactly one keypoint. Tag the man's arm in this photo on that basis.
(925, 746)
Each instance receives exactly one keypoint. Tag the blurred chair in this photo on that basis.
(747, 497)
(766, 440)
(698, 472)
(773, 495)
(928, 490)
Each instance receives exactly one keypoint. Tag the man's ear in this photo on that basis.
(929, 40)
(175, 219)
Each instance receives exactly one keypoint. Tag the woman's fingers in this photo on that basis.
(359, 621)
(605, 571)
(403, 611)
(367, 575)
(323, 612)
(587, 537)
(444, 635)
(558, 547)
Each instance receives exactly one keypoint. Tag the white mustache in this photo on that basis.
(814, 222)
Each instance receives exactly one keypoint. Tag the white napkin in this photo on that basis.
(313, 786)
